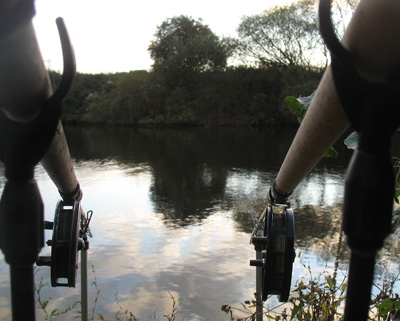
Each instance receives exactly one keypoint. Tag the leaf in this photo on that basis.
(299, 107)
(384, 307)
(329, 280)
(396, 196)
(295, 309)
(397, 314)
(331, 153)
(295, 107)
(306, 101)
(352, 141)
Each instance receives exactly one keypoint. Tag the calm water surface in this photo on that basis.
(173, 214)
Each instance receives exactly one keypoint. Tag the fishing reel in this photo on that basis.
(276, 247)
(70, 228)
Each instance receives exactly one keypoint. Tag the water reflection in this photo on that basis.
(192, 168)
(174, 210)
(189, 167)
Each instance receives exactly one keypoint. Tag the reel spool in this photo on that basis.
(65, 244)
(278, 254)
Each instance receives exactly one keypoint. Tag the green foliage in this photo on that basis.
(296, 107)
(242, 96)
(318, 298)
(396, 167)
(184, 47)
(131, 98)
(85, 86)
(171, 317)
(389, 307)
(43, 304)
(386, 304)
(321, 298)
(190, 83)
(313, 299)
(299, 107)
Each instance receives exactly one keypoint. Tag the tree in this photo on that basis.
(183, 46)
(285, 35)
(289, 35)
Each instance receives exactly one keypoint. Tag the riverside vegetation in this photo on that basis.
(240, 96)
(199, 78)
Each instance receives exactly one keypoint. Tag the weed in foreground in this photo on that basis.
(122, 314)
(321, 298)
(49, 315)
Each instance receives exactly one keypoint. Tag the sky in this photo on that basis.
(113, 36)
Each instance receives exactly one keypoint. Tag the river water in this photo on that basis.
(173, 215)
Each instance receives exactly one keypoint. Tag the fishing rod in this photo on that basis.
(359, 89)
(31, 131)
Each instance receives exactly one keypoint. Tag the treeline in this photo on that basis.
(241, 96)
(278, 53)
